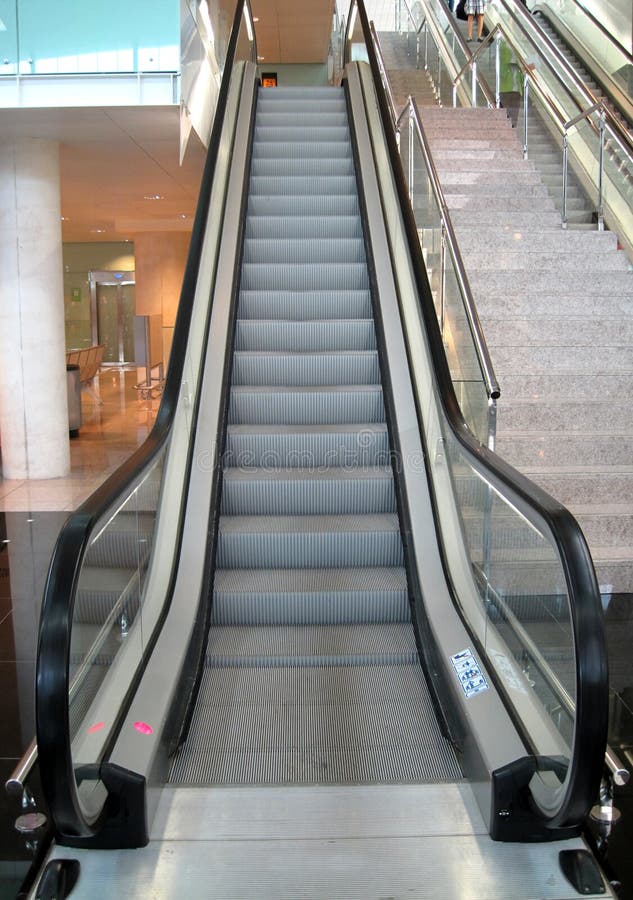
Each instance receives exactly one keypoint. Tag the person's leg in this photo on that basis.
(470, 27)
(480, 25)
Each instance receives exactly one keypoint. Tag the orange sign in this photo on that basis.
(269, 79)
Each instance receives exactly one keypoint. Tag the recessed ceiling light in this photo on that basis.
(153, 197)
(255, 18)
(97, 230)
(63, 218)
(260, 58)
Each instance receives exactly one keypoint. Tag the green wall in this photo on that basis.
(79, 260)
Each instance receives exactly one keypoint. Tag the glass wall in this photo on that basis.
(38, 37)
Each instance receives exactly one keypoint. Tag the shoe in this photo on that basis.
(480, 40)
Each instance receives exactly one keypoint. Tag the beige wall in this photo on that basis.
(160, 265)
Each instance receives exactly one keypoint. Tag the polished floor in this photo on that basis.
(115, 420)
(31, 515)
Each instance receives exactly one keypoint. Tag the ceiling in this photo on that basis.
(120, 168)
(291, 32)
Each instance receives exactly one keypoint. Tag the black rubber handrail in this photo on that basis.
(587, 759)
(53, 652)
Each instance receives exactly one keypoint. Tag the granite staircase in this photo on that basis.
(557, 312)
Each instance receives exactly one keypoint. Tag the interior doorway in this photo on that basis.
(112, 310)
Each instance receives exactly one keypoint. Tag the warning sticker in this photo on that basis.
(468, 672)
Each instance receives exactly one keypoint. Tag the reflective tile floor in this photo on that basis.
(31, 515)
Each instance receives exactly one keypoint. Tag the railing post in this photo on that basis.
(473, 86)
(565, 161)
(600, 171)
(498, 70)
(526, 93)
(417, 50)
(426, 47)
(439, 77)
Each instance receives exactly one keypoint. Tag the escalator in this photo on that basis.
(311, 634)
(328, 598)
(597, 46)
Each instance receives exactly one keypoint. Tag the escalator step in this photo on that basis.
(301, 185)
(317, 250)
(345, 724)
(305, 337)
(309, 205)
(303, 305)
(281, 542)
(308, 491)
(303, 227)
(319, 645)
(302, 445)
(297, 134)
(335, 405)
(297, 166)
(323, 596)
(304, 277)
(312, 117)
(329, 149)
(357, 367)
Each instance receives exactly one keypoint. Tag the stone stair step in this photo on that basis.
(572, 385)
(548, 360)
(571, 416)
(531, 449)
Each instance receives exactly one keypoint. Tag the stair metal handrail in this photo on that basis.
(600, 108)
(449, 241)
(435, 31)
(526, 23)
(393, 109)
(481, 347)
(563, 125)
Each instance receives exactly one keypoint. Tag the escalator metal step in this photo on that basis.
(304, 277)
(283, 542)
(326, 405)
(315, 645)
(304, 305)
(308, 491)
(303, 228)
(296, 134)
(299, 725)
(322, 596)
(313, 117)
(356, 367)
(305, 337)
(296, 166)
(330, 149)
(302, 185)
(308, 205)
(316, 250)
(302, 445)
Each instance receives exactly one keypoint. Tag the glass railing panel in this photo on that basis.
(62, 38)
(517, 604)
(110, 627)
(8, 39)
(446, 288)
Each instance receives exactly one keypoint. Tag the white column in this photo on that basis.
(33, 393)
